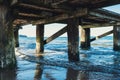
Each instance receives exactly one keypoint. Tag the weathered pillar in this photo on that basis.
(39, 39)
(7, 53)
(16, 35)
(85, 38)
(116, 38)
(73, 39)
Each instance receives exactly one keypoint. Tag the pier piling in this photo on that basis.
(116, 38)
(73, 39)
(7, 52)
(85, 38)
(39, 39)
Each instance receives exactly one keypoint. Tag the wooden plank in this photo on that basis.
(102, 35)
(28, 18)
(30, 11)
(54, 36)
(104, 16)
(58, 2)
(94, 4)
(107, 12)
(85, 38)
(96, 25)
(44, 8)
(116, 38)
(73, 39)
(78, 13)
(39, 39)
(104, 3)
(29, 15)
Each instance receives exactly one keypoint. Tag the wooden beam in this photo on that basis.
(37, 2)
(54, 36)
(107, 12)
(73, 39)
(44, 8)
(44, 3)
(30, 11)
(39, 39)
(104, 3)
(58, 2)
(102, 35)
(96, 25)
(103, 16)
(29, 15)
(85, 38)
(20, 22)
(28, 18)
(78, 13)
(95, 4)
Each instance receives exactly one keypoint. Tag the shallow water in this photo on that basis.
(98, 63)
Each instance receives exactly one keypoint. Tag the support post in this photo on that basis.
(116, 37)
(39, 39)
(7, 52)
(73, 39)
(85, 38)
(16, 35)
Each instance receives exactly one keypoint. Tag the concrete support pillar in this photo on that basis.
(85, 38)
(7, 52)
(16, 35)
(116, 38)
(39, 39)
(73, 39)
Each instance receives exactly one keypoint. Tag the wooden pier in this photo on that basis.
(85, 13)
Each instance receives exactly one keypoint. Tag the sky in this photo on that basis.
(30, 30)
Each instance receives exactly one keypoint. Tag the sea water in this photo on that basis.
(100, 62)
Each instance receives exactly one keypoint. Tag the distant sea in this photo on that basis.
(100, 62)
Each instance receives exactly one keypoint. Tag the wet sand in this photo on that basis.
(31, 68)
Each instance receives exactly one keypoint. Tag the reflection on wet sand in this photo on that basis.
(91, 67)
(39, 68)
(116, 60)
(71, 74)
(7, 74)
(76, 75)
(38, 72)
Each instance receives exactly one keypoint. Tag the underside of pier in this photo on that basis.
(86, 13)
